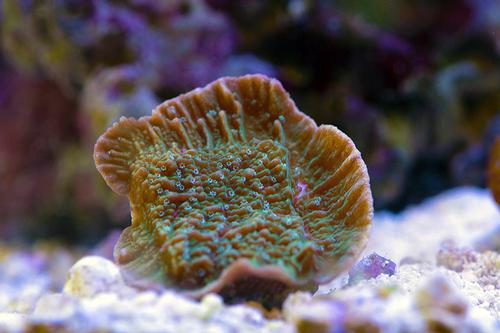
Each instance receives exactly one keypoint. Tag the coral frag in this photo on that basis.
(232, 189)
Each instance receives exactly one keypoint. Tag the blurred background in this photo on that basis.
(415, 84)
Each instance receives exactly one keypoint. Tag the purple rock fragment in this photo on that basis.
(371, 266)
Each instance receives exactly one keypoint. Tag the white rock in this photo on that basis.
(210, 304)
(12, 322)
(462, 215)
(55, 307)
(92, 275)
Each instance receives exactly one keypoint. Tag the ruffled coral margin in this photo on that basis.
(329, 220)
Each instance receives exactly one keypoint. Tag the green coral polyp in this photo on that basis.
(242, 187)
(232, 183)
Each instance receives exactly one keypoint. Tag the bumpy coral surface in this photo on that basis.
(232, 189)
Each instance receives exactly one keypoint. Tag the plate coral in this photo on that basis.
(232, 189)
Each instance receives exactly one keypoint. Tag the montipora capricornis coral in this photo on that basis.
(233, 190)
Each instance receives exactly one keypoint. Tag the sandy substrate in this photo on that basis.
(446, 278)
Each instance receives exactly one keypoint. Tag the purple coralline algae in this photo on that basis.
(82, 37)
(370, 267)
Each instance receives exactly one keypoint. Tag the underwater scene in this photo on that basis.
(224, 166)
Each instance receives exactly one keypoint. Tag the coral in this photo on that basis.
(417, 121)
(494, 170)
(370, 267)
(234, 190)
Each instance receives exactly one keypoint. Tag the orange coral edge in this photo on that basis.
(243, 267)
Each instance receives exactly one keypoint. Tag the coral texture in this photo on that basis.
(494, 170)
(232, 189)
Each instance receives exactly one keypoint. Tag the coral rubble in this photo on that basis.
(234, 190)
(418, 298)
(465, 216)
(448, 288)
